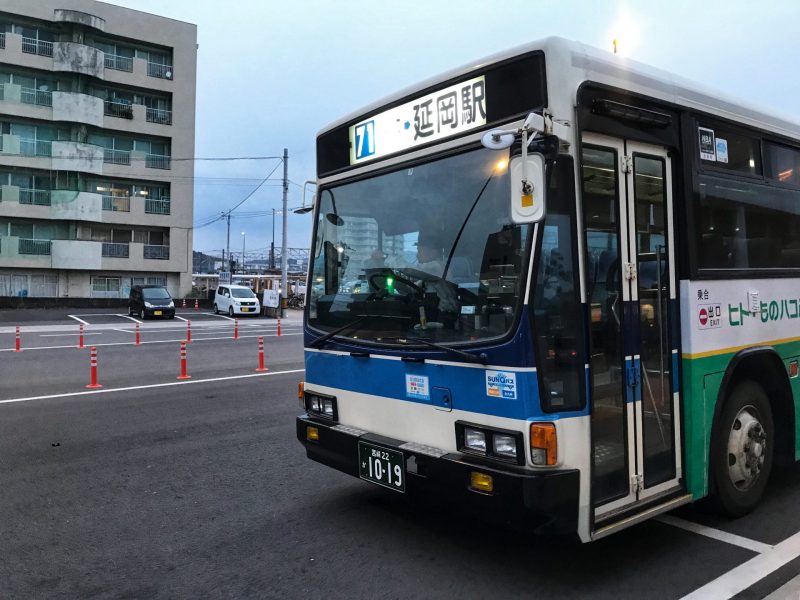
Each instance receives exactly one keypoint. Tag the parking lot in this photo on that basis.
(157, 487)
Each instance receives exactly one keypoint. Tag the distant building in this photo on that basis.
(97, 116)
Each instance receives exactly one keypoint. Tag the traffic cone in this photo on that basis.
(279, 327)
(184, 374)
(236, 329)
(261, 366)
(17, 341)
(184, 303)
(188, 331)
(80, 336)
(93, 369)
(196, 304)
(138, 340)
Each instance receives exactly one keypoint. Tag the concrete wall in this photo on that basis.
(61, 15)
(75, 156)
(78, 58)
(76, 254)
(78, 108)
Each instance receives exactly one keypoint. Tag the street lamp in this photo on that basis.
(244, 237)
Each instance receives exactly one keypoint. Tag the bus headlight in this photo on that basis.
(320, 405)
(475, 440)
(504, 445)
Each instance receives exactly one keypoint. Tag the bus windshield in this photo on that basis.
(425, 253)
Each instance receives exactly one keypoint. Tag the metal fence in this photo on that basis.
(119, 63)
(116, 250)
(37, 197)
(158, 252)
(118, 109)
(157, 206)
(40, 247)
(35, 147)
(159, 115)
(157, 161)
(2, 41)
(38, 97)
(34, 46)
(159, 70)
(116, 157)
(117, 203)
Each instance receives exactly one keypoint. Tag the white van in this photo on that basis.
(236, 300)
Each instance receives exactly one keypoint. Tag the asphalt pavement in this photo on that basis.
(158, 487)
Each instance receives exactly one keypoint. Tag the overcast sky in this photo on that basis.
(272, 73)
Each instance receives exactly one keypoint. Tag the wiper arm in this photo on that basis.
(319, 342)
(481, 359)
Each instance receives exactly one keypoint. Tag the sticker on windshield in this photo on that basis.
(417, 387)
(501, 384)
(708, 149)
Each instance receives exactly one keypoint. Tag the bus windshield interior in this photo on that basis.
(425, 253)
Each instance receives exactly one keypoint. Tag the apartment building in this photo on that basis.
(97, 116)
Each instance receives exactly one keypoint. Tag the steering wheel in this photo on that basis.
(413, 288)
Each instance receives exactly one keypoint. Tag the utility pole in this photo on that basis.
(272, 245)
(228, 266)
(284, 290)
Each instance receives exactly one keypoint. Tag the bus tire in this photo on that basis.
(743, 449)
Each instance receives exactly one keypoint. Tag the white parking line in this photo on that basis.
(129, 317)
(77, 319)
(748, 573)
(68, 334)
(150, 386)
(181, 318)
(710, 532)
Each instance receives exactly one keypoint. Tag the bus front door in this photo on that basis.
(631, 292)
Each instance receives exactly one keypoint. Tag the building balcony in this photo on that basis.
(61, 15)
(158, 115)
(113, 250)
(34, 46)
(118, 63)
(117, 203)
(156, 252)
(63, 205)
(25, 252)
(77, 156)
(78, 58)
(77, 108)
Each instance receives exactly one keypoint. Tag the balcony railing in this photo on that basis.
(156, 252)
(159, 115)
(159, 70)
(35, 147)
(119, 63)
(2, 41)
(37, 197)
(157, 161)
(117, 203)
(116, 250)
(34, 46)
(40, 247)
(160, 206)
(118, 109)
(116, 157)
(38, 97)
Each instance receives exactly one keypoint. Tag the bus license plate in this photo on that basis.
(157, 313)
(382, 466)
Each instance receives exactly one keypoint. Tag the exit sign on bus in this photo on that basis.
(445, 113)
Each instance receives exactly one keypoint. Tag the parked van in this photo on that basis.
(236, 300)
(150, 301)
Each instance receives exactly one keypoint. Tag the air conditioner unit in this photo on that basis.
(168, 74)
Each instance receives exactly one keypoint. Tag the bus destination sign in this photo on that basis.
(445, 113)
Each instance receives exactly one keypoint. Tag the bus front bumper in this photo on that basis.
(541, 502)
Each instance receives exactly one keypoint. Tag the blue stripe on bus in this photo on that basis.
(467, 386)
(628, 379)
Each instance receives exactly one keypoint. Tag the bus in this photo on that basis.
(556, 287)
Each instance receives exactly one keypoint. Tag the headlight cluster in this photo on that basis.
(499, 444)
(148, 305)
(321, 405)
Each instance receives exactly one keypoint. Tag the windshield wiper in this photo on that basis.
(319, 342)
(481, 359)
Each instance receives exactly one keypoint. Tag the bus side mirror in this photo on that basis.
(528, 192)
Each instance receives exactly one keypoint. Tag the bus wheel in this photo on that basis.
(744, 445)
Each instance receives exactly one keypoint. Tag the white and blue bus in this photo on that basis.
(559, 287)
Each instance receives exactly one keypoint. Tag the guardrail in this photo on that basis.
(159, 115)
(122, 110)
(159, 70)
(36, 197)
(156, 252)
(116, 250)
(37, 97)
(157, 161)
(39, 247)
(116, 157)
(34, 46)
(35, 147)
(157, 206)
(117, 203)
(118, 63)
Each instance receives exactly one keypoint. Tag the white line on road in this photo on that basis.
(77, 319)
(199, 339)
(68, 334)
(129, 317)
(181, 318)
(722, 536)
(748, 573)
(150, 386)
